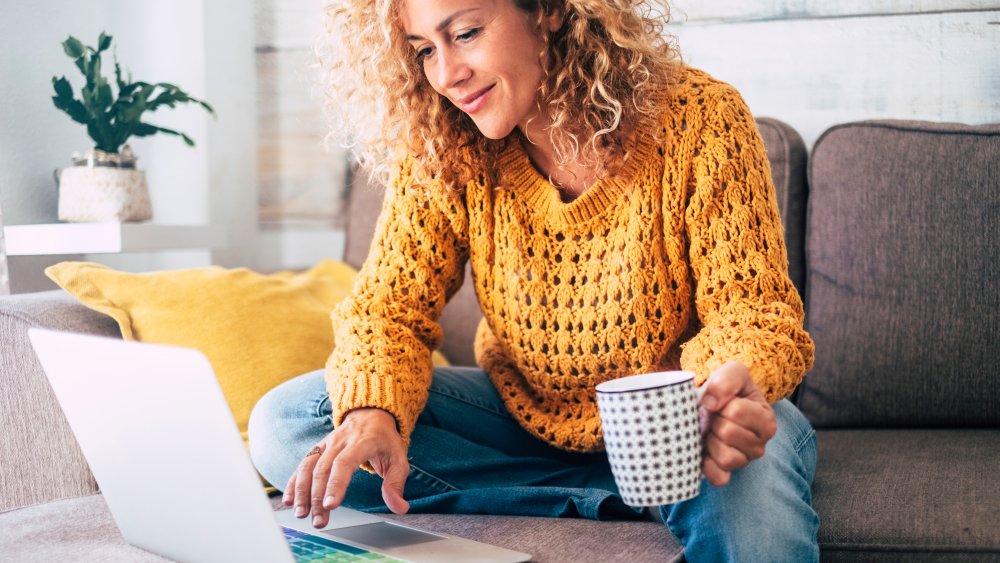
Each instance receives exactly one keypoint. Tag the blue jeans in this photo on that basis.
(468, 456)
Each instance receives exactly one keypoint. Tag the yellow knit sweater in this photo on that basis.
(676, 262)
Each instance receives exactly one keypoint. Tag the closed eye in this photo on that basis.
(424, 53)
(468, 34)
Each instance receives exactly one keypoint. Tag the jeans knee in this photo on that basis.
(285, 423)
(765, 512)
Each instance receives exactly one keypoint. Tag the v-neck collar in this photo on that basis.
(518, 172)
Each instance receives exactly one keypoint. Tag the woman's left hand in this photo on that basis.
(736, 422)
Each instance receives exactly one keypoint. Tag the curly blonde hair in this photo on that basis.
(608, 65)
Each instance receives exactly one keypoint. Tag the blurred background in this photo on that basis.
(263, 176)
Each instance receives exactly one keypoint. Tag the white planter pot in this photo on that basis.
(103, 194)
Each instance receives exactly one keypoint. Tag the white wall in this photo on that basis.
(815, 63)
(812, 63)
(204, 46)
(35, 138)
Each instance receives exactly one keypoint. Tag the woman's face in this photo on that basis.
(483, 55)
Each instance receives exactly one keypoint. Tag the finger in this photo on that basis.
(755, 416)
(715, 474)
(730, 380)
(320, 475)
(289, 497)
(726, 457)
(303, 482)
(393, 483)
(736, 436)
(343, 467)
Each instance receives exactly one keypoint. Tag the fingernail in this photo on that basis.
(300, 511)
(328, 501)
(709, 402)
(317, 521)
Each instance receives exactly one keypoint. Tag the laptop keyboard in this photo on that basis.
(307, 547)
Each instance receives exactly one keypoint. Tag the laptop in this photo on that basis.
(166, 453)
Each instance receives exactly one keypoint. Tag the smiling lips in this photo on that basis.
(474, 102)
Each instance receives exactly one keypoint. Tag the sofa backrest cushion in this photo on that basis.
(39, 458)
(462, 314)
(785, 151)
(903, 241)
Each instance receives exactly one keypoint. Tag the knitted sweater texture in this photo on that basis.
(676, 262)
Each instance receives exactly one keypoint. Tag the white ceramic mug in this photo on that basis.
(651, 432)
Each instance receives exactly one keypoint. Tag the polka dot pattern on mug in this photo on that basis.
(653, 443)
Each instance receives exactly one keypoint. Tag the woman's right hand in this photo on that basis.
(320, 482)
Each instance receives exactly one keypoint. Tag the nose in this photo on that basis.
(452, 68)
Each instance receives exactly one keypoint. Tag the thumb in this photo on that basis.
(392, 487)
(728, 381)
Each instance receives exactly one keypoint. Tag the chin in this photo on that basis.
(494, 131)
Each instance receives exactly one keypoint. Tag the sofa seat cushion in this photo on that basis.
(908, 495)
(81, 529)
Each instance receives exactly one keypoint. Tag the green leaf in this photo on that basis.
(103, 42)
(62, 87)
(65, 101)
(132, 112)
(94, 76)
(143, 126)
(145, 130)
(73, 47)
(101, 139)
(118, 79)
(104, 98)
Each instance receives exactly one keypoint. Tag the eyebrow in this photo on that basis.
(444, 23)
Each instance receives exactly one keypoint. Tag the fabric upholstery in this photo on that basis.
(82, 529)
(39, 457)
(903, 239)
(787, 154)
(897, 493)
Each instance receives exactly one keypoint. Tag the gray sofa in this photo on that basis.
(894, 240)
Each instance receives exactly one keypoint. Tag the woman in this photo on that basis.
(617, 211)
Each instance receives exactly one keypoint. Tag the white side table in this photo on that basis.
(101, 238)
(4, 273)
(104, 238)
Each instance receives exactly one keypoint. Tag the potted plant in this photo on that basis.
(104, 184)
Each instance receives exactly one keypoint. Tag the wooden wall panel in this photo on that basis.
(720, 11)
(301, 183)
(815, 73)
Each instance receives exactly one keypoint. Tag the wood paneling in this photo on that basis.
(719, 11)
(814, 73)
(301, 182)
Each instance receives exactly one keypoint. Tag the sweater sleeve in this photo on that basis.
(385, 331)
(748, 308)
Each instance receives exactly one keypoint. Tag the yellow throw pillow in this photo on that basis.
(256, 330)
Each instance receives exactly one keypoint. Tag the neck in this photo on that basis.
(571, 179)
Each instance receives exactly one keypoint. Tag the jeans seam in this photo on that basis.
(434, 478)
(805, 438)
(319, 406)
(480, 406)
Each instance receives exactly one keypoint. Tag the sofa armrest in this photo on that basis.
(41, 459)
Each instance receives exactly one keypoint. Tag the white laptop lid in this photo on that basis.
(210, 506)
(172, 395)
